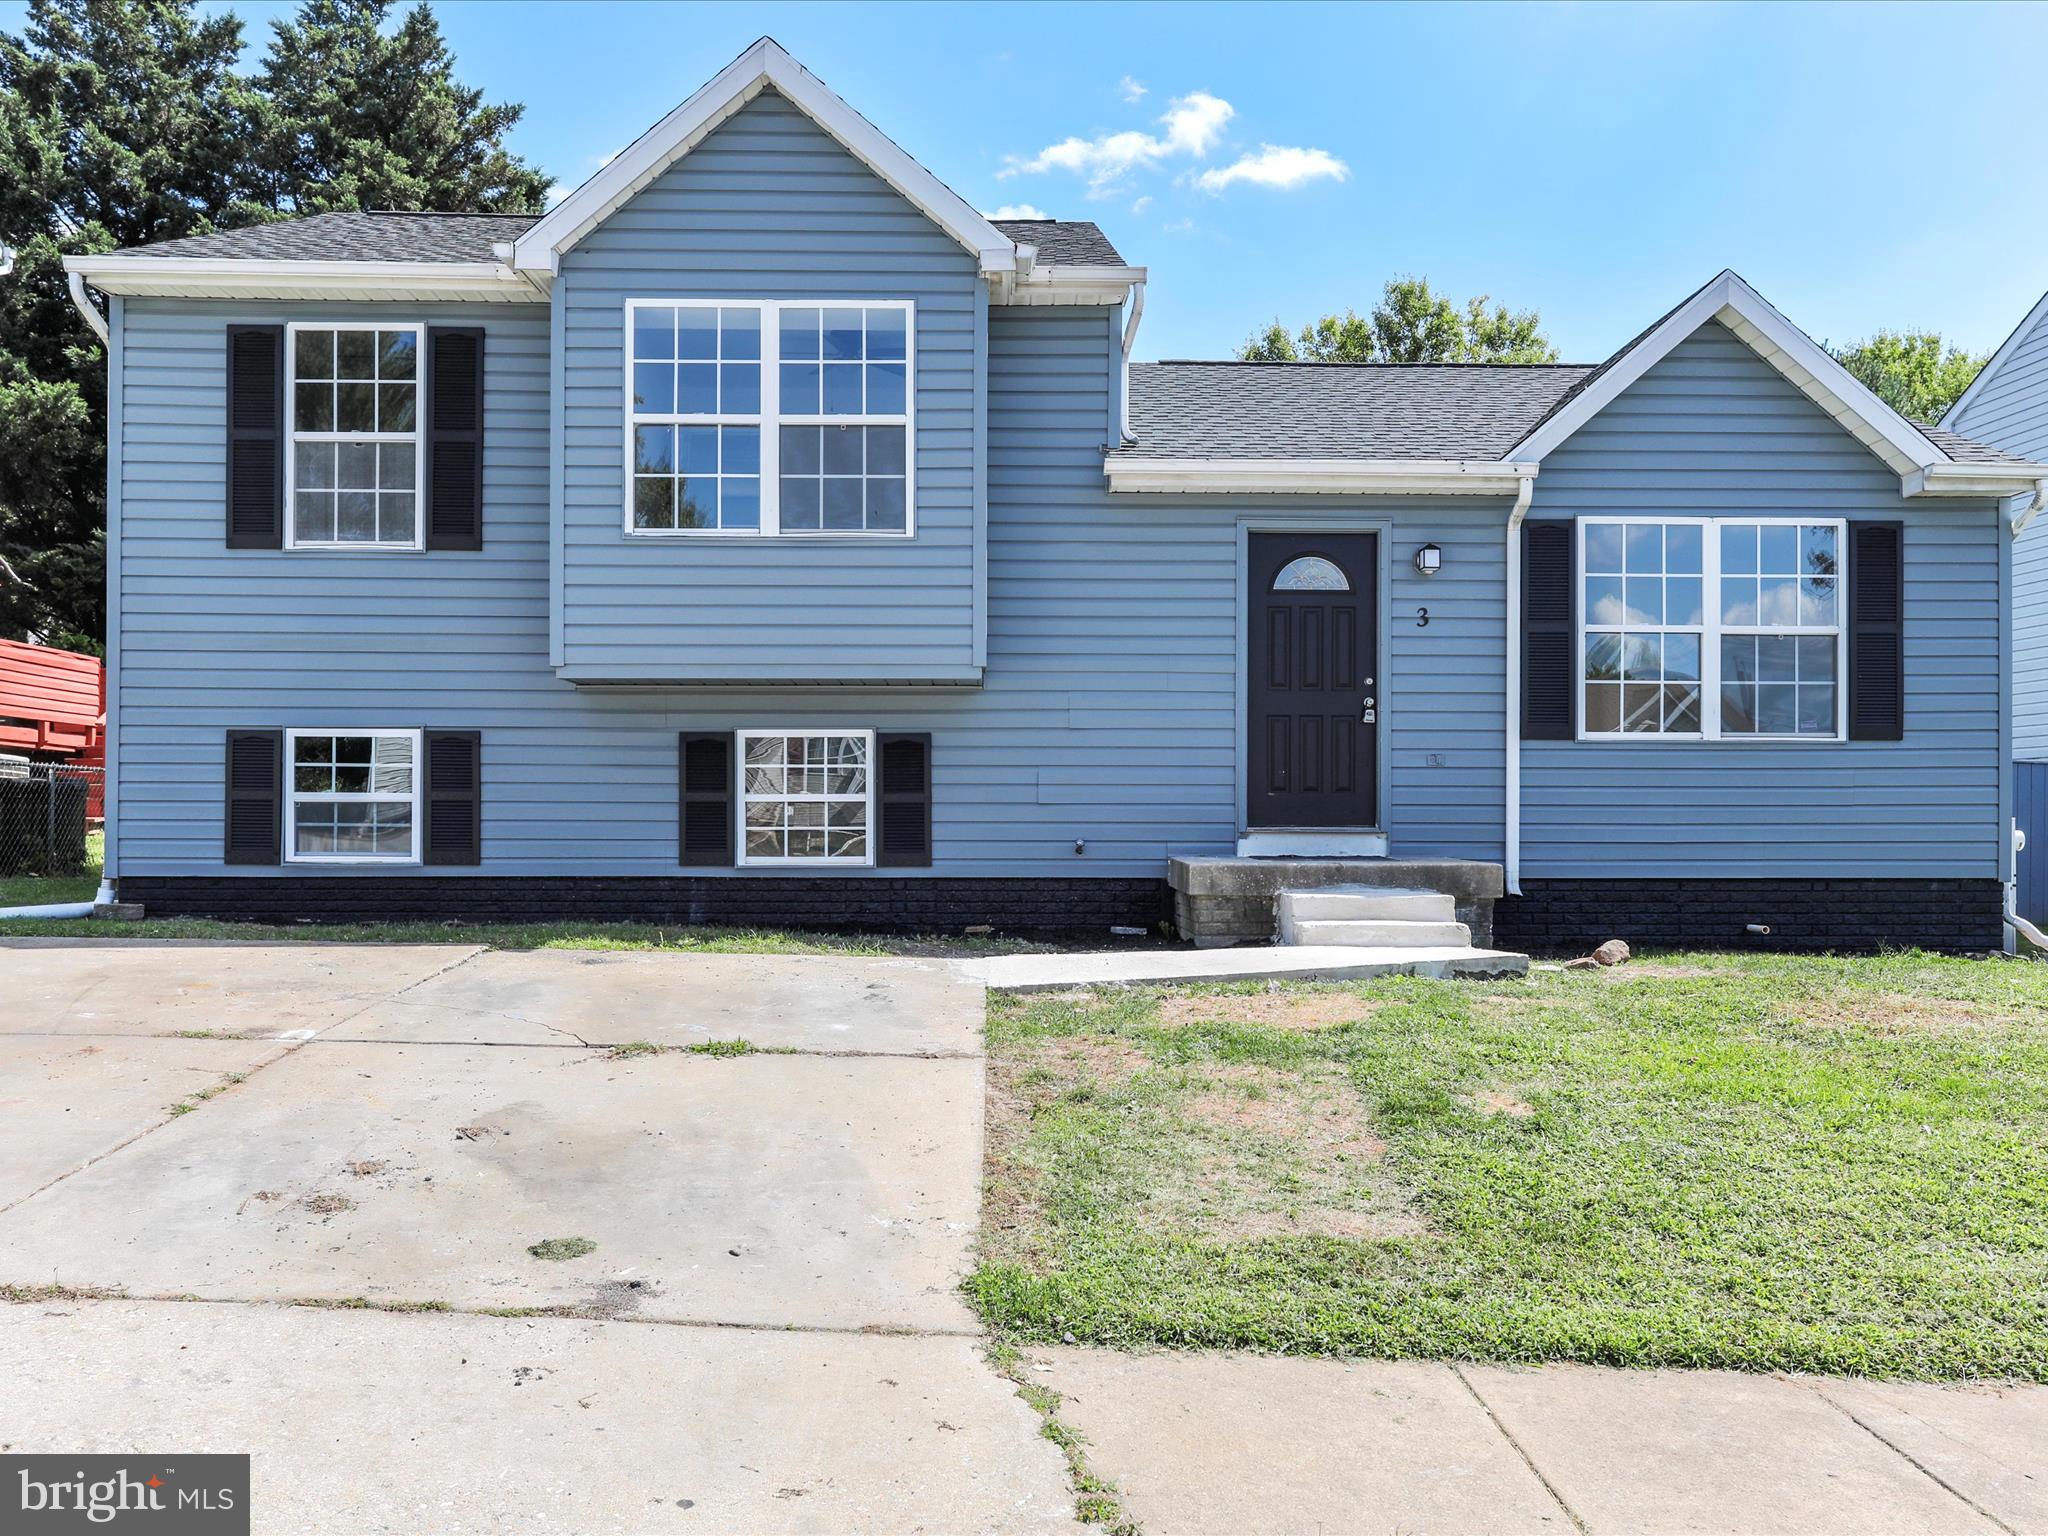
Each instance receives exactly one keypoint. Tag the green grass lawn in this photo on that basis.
(1707, 1160)
(43, 890)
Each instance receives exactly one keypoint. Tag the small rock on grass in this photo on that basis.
(1613, 952)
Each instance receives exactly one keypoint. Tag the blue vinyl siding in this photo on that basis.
(2011, 412)
(1110, 710)
(1109, 714)
(1713, 430)
(769, 206)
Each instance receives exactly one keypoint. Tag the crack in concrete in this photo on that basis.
(553, 1313)
(1527, 1460)
(1906, 1456)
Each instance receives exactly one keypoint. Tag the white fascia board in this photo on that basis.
(1329, 477)
(1964, 479)
(1730, 300)
(763, 65)
(2010, 345)
(229, 277)
(1067, 285)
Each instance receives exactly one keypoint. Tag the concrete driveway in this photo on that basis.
(350, 1150)
(278, 1199)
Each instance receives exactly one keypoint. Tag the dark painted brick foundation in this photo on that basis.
(877, 903)
(1571, 916)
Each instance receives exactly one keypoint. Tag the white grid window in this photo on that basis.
(770, 417)
(1711, 628)
(354, 796)
(356, 446)
(808, 797)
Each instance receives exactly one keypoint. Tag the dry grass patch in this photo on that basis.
(1898, 1013)
(1267, 1010)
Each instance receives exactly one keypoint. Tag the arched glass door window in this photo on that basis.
(1310, 573)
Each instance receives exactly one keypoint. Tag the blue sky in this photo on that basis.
(1863, 166)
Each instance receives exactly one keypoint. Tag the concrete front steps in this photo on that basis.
(1370, 916)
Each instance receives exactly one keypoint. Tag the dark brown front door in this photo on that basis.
(1311, 697)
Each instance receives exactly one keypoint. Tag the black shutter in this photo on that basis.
(453, 797)
(455, 437)
(903, 800)
(1549, 607)
(255, 797)
(255, 437)
(706, 775)
(1877, 631)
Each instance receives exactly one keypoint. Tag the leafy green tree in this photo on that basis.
(358, 116)
(124, 122)
(1410, 324)
(1912, 371)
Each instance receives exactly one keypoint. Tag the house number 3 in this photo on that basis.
(1422, 618)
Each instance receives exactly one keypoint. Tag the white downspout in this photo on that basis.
(1130, 337)
(1513, 701)
(2032, 509)
(87, 308)
(2015, 839)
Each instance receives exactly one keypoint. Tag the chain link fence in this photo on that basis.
(45, 811)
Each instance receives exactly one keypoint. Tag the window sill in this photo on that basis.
(354, 549)
(1675, 738)
(753, 536)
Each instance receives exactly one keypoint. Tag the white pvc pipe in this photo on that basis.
(59, 909)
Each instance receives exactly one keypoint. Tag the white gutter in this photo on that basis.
(1343, 477)
(1130, 335)
(237, 277)
(87, 308)
(1513, 820)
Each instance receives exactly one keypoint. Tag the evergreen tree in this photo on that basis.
(358, 118)
(121, 121)
(124, 122)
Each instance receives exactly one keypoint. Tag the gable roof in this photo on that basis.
(1998, 360)
(374, 236)
(1725, 297)
(1338, 411)
(764, 66)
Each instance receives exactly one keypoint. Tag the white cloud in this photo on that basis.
(1276, 165)
(1018, 211)
(1133, 90)
(557, 190)
(1190, 127)
(1178, 227)
(1141, 205)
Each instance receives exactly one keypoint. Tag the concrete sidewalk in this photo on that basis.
(1218, 1445)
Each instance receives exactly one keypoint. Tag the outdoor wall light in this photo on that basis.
(1428, 560)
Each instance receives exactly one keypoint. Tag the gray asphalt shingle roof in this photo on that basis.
(381, 236)
(1338, 410)
(1063, 242)
(1965, 450)
(356, 237)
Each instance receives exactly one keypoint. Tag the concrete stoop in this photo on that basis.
(1223, 901)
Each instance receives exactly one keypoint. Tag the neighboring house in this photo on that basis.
(2007, 405)
(765, 535)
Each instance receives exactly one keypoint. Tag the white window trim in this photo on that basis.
(740, 740)
(417, 437)
(1711, 631)
(292, 798)
(770, 418)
